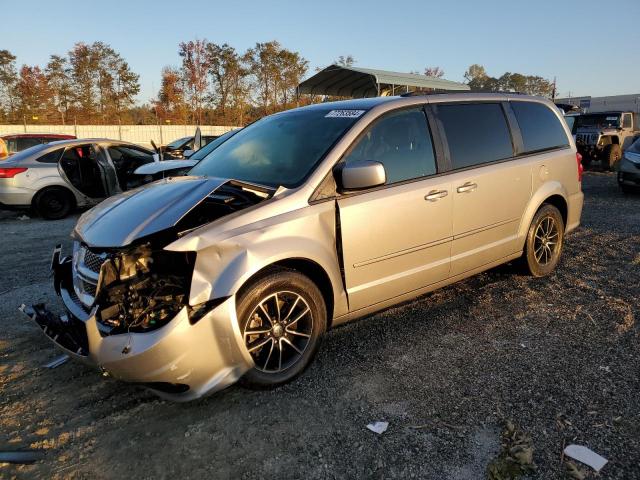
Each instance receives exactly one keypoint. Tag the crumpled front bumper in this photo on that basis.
(180, 361)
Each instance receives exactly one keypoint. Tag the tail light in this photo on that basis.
(580, 167)
(11, 172)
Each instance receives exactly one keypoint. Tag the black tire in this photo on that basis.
(54, 203)
(276, 360)
(611, 156)
(628, 189)
(541, 257)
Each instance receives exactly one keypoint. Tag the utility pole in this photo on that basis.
(553, 93)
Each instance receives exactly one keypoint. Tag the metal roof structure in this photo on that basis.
(366, 82)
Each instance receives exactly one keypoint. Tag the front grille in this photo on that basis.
(93, 261)
(86, 271)
(587, 138)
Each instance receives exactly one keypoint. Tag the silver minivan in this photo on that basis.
(305, 220)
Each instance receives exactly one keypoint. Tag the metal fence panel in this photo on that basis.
(141, 134)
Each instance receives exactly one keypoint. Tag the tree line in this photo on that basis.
(212, 84)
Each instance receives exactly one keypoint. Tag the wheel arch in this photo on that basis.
(309, 268)
(552, 193)
(34, 199)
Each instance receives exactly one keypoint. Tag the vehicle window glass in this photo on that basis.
(51, 157)
(12, 145)
(26, 142)
(401, 142)
(281, 149)
(540, 128)
(626, 121)
(178, 143)
(475, 133)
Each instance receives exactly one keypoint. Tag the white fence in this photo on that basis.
(141, 134)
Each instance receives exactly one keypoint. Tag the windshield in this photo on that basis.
(598, 120)
(178, 143)
(211, 146)
(282, 149)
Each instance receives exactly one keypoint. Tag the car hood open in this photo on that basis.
(122, 219)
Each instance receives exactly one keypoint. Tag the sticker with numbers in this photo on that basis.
(344, 113)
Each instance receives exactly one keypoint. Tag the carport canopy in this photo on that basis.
(366, 82)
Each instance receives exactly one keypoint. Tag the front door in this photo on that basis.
(396, 238)
(82, 167)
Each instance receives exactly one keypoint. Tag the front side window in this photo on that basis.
(401, 142)
(282, 149)
(626, 120)
(475, 133)
(540, 128)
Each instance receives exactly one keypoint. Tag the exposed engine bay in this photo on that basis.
(143, 289)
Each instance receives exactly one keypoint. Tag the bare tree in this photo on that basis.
(435, 72)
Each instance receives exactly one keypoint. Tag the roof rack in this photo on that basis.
(467, 92)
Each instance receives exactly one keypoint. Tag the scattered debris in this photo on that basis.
(24, 217)
(435, 424)
(56, 362)
(21, 456)
(378, 427)
(605, 368)
(515, 458)
(586, 456)
(575, 472)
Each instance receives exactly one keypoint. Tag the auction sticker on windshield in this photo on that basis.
(344, 113)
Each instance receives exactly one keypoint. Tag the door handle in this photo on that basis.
(467, 187)
(434, 195)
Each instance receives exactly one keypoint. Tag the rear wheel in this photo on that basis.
(611, 156)
(282, 319)
(544, 241)
(54, 203)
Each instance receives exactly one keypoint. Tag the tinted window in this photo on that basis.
(26, 142)
(475, 133)
(401, 142)
(539, 126)
(51, 157)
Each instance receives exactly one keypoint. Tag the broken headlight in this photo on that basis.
(141, 289)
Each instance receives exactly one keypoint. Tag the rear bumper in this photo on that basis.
(179, 361)
(576, 201)
(11, 196)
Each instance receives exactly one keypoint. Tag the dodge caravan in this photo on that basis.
(305, 220)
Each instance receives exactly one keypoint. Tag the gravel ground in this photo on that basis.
(558, 357)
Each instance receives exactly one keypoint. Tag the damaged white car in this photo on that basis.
(304, 220)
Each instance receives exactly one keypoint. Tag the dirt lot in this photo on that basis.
(559, 357)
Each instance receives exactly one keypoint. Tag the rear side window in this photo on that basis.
(540, 128)
(51, 157)
(475, 133)
(401, 142)
(26, 142)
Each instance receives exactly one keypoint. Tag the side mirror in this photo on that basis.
(360, 175)
(188, 153)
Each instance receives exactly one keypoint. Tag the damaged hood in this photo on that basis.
(122, 219)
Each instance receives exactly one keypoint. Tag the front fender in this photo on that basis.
(545, 191)
(308, 234)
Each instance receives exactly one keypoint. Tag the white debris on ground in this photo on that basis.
(378, 427)
(586, 456)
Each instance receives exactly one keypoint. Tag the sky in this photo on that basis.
(590, 47)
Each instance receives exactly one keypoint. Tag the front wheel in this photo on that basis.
(282, 318)
(544, 241)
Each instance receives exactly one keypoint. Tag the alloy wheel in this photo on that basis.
(278, 331)
(545, 245)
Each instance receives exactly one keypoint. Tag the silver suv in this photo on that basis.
(303, 221)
